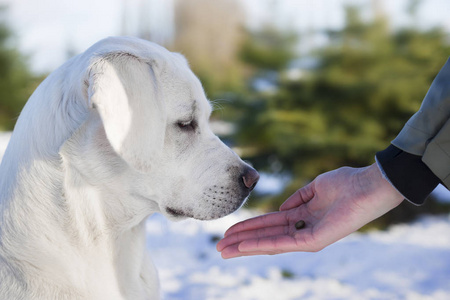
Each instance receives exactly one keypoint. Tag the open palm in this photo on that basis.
(334, 205)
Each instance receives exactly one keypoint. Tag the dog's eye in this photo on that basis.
(187, 125)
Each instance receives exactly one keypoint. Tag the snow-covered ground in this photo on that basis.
(410, 261)
(405, 262)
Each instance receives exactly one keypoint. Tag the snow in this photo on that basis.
(407, 261)
(441, 194)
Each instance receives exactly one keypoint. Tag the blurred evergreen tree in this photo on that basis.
(16, 80)
(268, 49)
(369, 81)
(264, 53)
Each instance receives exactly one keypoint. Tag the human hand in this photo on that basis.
(334, 205)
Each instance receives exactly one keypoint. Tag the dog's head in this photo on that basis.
(155, 117)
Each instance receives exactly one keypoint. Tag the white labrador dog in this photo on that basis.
(114, 135)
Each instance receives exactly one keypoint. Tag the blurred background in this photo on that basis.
(299, 87)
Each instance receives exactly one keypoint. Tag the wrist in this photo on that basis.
(381, 196)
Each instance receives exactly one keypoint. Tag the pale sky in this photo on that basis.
(45, 29)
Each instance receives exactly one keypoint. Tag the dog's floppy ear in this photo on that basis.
(124, 90)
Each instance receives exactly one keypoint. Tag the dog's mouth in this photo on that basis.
(179, 213)
(218, 212)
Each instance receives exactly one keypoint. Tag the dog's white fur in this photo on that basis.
(114, 135)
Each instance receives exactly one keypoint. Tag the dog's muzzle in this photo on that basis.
(222, 199)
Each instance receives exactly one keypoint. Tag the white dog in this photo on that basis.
(114, 135)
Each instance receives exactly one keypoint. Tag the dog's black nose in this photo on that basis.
(250, 178)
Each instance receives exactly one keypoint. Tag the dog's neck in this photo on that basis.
(65, 232)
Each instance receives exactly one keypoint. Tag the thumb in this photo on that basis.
(300, 197)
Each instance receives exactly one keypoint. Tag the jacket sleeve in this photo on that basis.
(419, 157)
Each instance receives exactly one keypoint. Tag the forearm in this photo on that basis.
(426, 123)
(419, 157)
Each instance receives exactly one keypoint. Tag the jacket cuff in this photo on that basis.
(407, 173)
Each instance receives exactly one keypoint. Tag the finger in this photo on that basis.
(270, 245)
(301, 196)
(233, 251)
(279, 244)
(267, 220)
(238, 237)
